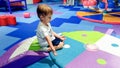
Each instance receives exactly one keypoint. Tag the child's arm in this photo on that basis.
(55, 34)
(51, 45)
(58, 36)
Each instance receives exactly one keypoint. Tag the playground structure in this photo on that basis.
(13, 3)
(106, 11)
(101, 5)
(68, 2)
(96, 5)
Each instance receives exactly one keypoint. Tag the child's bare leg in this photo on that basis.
(57, 47)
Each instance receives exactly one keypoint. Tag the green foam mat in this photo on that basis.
(35, 46)
(84, 36)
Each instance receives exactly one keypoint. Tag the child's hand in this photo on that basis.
(55, 53)
(62, 38)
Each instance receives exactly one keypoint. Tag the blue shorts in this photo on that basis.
(56, 41)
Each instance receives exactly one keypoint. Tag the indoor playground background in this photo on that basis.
(92, 38)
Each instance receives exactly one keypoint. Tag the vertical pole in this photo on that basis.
(9, 7)
(25, 4)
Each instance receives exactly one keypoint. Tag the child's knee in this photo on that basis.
(61, 44)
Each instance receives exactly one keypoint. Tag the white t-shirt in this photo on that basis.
(42, 32)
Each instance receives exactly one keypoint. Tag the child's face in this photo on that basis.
(46, 19)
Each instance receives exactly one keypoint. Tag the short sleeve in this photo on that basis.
(40, 33)
(45, 32)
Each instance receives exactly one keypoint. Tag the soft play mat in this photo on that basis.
(82, 49)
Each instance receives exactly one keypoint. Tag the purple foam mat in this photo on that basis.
(25, 59)
(4, 58)
(116, 29)
(100, 29)
(88, 59)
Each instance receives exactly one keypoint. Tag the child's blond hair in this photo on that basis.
(44, 10)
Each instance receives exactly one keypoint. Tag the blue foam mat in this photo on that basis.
(66, 55)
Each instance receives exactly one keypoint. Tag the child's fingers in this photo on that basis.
(55, 53)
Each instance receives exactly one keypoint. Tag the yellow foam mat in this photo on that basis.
(82, 13)
(110, 18)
